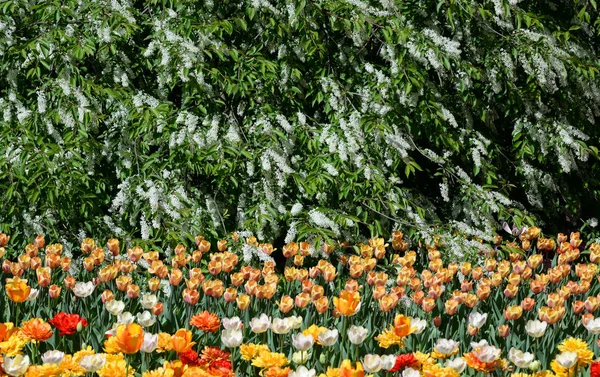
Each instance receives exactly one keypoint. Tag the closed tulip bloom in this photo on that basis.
(182, 341)
(477, 320)
(260, 324)
(593, 326)
(231, 338)
(417, 325)
(148, 301)
(329, 338)
(357, 334)
(567, 359)
(233, 323)
(82, 290)
(115, 307)
(17, 289)
(158, 308)
(302, 342)
(520, 358)
(348, 303)
(372, 363)
(536, 328)
(281, 326)
(459, 364)
(150, 343)
(130, 338)
(146, 318)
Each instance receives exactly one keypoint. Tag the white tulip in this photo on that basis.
(410, 372)
(536, 328)
(303, 371)
(115, 307)
(92, 363)
(53, 357)
(82, 290)
(281, 325)
(593, 326)
(33, 294)
(150, 343)
(296, 322)
(459, 364)
(520, 358)
(487, 354)
(233, 323)
(231, 338)
(329, 338)
(477, 320)
(260, 324)
(567, 359)
(419, 324)
(372, 363)
(146, 319)
(15, 366)
(148, 301)
(445, 346)
(302, 342)
(357, 334)
(388, 362)
(125, 318)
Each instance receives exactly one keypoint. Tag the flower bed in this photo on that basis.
(525, 309)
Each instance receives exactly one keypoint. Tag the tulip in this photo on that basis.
(148, 301)
(181, 341)
(233, 323)
(477, 320)
(459, 364)
(146, 319)
(329, 337)
(130, 338)
(150, 343)
(281, 326)
(357, 334)
(567, 359)
(372, 363)
(231, 338)
(17, 290)
(302, 342)
(535, 328)
(520, 358)
(299, 357)
(83, 290)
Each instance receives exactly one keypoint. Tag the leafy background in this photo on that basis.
(154, 121)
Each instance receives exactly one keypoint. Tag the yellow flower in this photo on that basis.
(68, 364)
(115, 367)
(46, 370)
(159, 372)
(331, 372)
(437, 371)
(111, 345)
(423, 359)
(14, 344)
(250, 351)
(77, 356)
(389, 338)
(164, 342)
(584, 355)
(268, 359)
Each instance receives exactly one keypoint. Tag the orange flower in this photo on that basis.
(182, 341)
(37, 329)
(17, 289)
(475, 363)
(206, 321)
(130, 338)
(348, 303)
(402, 326)
(346, 369)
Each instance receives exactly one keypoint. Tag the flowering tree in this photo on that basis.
(298, 119)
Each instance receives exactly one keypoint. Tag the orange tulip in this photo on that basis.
(402, 325)
(182, 341)
(348, 303)
(130, 338)
(17, 289)
(346, 369)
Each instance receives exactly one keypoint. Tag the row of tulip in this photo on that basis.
(525, 307)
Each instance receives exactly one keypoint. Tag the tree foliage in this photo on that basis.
(159, 120)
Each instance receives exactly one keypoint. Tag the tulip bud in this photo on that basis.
(79, 327)
(158, 308)
(535, 365)
(437, 321)
(504, 331)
